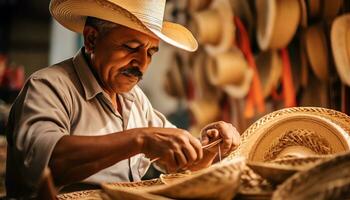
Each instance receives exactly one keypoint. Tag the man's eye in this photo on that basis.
(129, 48)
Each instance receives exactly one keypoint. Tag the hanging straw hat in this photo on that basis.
(204, 111)
(214, 27)
(303, 10)
(204, 88)
(231, 72)
(317, 51)
(140, 15)
(340, 40)
(327, 180)
(277, 22)
(196, 5)
(300, 132)
(330, 9)
(314, 6)
(199, 185)
(269, 66)
(174, 84)
(242, 10)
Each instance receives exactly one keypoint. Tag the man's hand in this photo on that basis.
(176, 148)
(226, 131)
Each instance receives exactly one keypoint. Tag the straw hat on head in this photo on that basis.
(298, 132)
(277, 22)
(269, 66)
(340, 40)
(230, 72)
(214, 27)
(317, 51)
(140, 15)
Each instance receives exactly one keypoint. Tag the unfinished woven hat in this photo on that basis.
(340, 40)
(277, 22)
(327, 180)
(213, 27)
(317, 51)
(196, 5)
(230, 71)
(200, 185)
(299, 132)
(82, 195)
(280, 169)
(140, 15)
(269, 66)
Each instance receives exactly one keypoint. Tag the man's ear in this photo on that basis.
(90, 38)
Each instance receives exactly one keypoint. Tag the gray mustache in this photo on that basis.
(132, 71)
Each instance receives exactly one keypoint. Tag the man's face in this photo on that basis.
(119, 55)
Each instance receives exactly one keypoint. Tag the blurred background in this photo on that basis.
(255, 57)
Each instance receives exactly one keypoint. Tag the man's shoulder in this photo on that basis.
(59, 71)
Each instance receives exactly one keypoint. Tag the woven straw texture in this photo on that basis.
(219, 181)
(336, 117)
(82, 195)
(327, 180)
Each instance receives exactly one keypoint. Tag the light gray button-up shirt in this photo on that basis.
(66, 99)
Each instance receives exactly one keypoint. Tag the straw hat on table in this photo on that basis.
(230, 72)
(299, 132)
(277, 22)
(269, 66)
(140, 15)
(214, 27)
(327, 180)
(317, 51)
(202, 184)
(340, 40)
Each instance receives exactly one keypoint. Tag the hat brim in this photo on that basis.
(251, 135)
(340, 40)
(72, 15)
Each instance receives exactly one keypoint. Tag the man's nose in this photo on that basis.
(141, 59)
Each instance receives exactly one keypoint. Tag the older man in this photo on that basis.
(87, 119)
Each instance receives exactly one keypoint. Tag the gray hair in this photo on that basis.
(101, 25)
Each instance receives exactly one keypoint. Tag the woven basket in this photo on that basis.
(327, 180)
(219, 181)
(250, 136)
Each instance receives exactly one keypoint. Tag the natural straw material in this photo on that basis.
(277, 22)
(249, 137)
(340, 40)
(140, 15)
(219, 181)
(327, 180)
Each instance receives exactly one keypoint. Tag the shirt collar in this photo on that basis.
(88, 80)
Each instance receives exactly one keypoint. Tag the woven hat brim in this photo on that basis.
(250, 135)
(339, 41)
(72, 15)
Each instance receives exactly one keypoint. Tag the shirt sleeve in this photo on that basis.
(39, 118)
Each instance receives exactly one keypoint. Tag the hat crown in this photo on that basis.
(150, 12)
